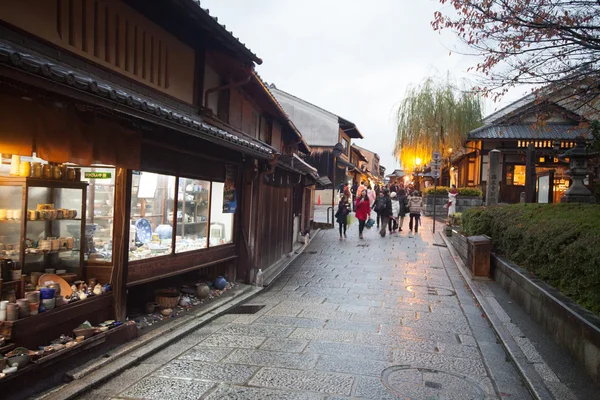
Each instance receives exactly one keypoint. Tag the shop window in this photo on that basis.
(515, 175)
(345, 145)
(100, 211)
(152, 205)
(221, 214)
(193, 201)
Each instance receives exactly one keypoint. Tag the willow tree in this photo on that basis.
(435, 116)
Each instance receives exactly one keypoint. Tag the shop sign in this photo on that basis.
(97, 175)
(229, 197)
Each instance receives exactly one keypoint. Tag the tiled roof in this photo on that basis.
(229, 34)
(528, 131)
(64, 74)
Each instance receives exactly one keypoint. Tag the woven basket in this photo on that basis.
(167, 298)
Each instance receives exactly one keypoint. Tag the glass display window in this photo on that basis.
(11, 198)
(221, 216)
(152, 206)
(193, 204)
(100, 210)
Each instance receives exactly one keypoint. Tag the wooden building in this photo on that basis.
(322, 130)
(549, 126)
(155, 140)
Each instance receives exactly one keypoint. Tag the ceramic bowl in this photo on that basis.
(19, 361)
(166, 312)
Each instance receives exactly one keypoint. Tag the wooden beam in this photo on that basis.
(121, 241)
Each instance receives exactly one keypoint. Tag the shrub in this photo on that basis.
(558, 243)
(455, 219)
(443, 191)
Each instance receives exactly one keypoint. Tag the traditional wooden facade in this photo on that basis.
(187, 160)
(546, 126)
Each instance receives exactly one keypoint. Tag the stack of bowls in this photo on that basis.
(48, 300)
(49, 304)
(34, 302)
(23, 308)
(12, 312)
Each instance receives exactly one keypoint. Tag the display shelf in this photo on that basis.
(10, 221)
(53, 220)
(8, 283)
(45, 253)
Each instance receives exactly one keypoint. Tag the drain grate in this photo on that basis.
(311, 252)
(362, 245)
(431, 290)
(424, 383)
(249, 309)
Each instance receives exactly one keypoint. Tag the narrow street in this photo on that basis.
(380, 318)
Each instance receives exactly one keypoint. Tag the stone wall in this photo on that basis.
(463, 203)
(572, 327)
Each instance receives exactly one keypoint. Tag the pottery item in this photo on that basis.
(70, 174)
(60, 301)
(64, 172)
(11, 296)
(3, 304)
(61, 272)
(2, 315)
(16, 214)
(36, 170)
(32, 215)
(49, 304)
(151, 307)
(19, 361)
(16, 274)
(9, 370)
(82, 295)
(79, 339)
(35, 278)
(25, 169)
(167, 312)
(84, 332)
(220, 283)
(54, 245)
(12, 312)
(167, 298)
(47, 293)
(33, 308)
(92, 282)
(184, 301)
(33, 297)
(56, 287)
(70, 242)
(98, 289)
(49, 279)
(202, 290)
(2, 213)
(59, 214)
(24, 311)
(46, 171)
(22, 302)
(15, 163)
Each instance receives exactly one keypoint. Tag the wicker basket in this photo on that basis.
(167, 298)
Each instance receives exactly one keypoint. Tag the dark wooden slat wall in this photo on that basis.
(275, 226)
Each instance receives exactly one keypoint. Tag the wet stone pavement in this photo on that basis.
(380, 318)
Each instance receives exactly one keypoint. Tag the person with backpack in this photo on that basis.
(341, 215)
(363, 212)
(415, 204)
(376, 206)
(403, 203)
(385, 210)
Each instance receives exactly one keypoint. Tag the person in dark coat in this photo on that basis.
(341, 215)
(377, 206)
(385, 210)
(403, 200)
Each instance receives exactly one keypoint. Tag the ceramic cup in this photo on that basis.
(49, 304)
(32, 215)
(12, 312)
(2, 213)
(33, 297)
(34, 308)
(2, 315)
(35, 277)
(70, 242)
(9, 214)
(3, 304)
(16, 274)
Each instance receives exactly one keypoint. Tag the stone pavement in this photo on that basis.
(380, 318)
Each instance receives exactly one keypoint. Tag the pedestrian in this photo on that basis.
(341, 215)
(385, 209)
(360, 189)
(363, 212)
(371, 195)
(451, 205)
(354, 188)
(376, 206)
(393, 224)
(403, 202)
(415, 205)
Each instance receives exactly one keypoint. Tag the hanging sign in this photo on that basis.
(229, 195)
(97, 175)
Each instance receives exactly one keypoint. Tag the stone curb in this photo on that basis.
(531, 378)
(280, 269)
(133, 352)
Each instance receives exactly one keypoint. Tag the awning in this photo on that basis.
(324, 181)
(295, 163)
(341, 163)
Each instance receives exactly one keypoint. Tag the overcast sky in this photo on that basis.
(353, 58)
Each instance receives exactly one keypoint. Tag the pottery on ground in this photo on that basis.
(151, 307)
(167, 312)
(202, 290)
(220, 283)
(19, 361)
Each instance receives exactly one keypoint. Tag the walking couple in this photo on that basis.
(363, 212)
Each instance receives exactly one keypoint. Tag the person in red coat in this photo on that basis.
(363, 211)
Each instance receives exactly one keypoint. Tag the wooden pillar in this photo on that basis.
(530, 174)
(122, 212)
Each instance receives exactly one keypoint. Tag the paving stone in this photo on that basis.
(351, 366)
(219, 372)
(246, 342)
(284, 344)
(125, 379)
(291, 321)
(350, 350)
(274, 359)
(320, 334)
(529, 350)
(235, 392)
(469, 367)
(372, 388)
(410, 332)
(257, 330)
(325, 314)
(353, 326)
(204, 353)
(467, 340)
(315, 381)
(161, 388)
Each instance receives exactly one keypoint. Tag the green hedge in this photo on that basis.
(443, 190)
(558, 243)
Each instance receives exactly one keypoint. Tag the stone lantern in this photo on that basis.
(578, 170)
